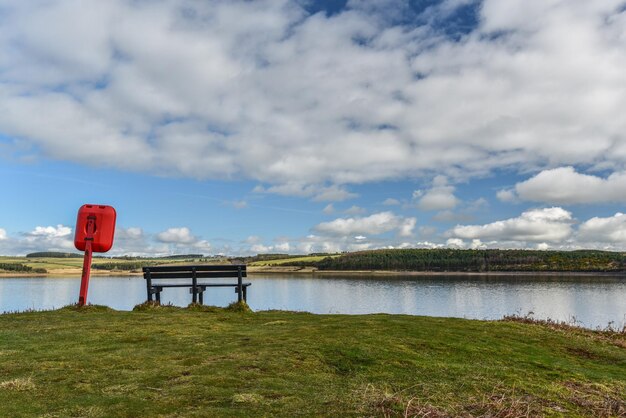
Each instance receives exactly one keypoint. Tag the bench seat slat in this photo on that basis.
(199, 275)
(223, 268)
(201, 285)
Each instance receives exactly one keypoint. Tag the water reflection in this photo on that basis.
(593, 301)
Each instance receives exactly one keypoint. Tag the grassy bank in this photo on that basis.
(72, 266)
(215, 362)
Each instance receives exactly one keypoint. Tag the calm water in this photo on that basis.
(592, 301)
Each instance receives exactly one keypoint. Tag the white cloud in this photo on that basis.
(316, 192)
(455, 243)
(450, 216)
(477, 205)
(391, 202)
(329, 209)
(506, 195)
(604, 230)
(378, 223)
(260, 249)
(477, 245)
(428, 244)
(44, 238)
(51, 232)
(355, 210)
(407, 227)
(3, 234)
(283, 247)
(427, 231)
(537, 225)
(253, 239)
(333, 194)
(359, 246)
(262, 90)
(134, 241)
(439, 197)
(180, 235)
(566, 186)
(201, 246)
(132, 233)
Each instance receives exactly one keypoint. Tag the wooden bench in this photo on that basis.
(154, 275)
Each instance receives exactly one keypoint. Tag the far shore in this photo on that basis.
(294, 270)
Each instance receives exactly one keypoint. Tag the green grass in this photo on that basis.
(204, 361)
(53, 264)
(281, 261)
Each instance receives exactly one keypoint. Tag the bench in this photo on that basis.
(154, 275)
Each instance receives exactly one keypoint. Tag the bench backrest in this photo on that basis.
(201, 272)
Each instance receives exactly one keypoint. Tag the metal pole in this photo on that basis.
(239, 279)
(84, 283)
(194, 286)
(149, 285)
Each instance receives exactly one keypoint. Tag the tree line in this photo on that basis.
(21, 268)
(53, 254)
(474, 260)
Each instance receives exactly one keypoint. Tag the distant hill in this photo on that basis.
(53, 254)
(473, 260)
(279, 256)
(180, 256)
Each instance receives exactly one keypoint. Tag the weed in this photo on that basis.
(599, 400)
(154, 306)
(239, 307)
(247, 398)
(87, 308)
(20, 384)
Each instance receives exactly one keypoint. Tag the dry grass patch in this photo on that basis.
(247, 398)
(20, 384)
(500, 403)
(598, 400)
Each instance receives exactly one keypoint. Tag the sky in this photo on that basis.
(296, 126)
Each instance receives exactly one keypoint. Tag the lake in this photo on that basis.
(591, 301)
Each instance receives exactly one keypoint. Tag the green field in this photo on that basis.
(281, 261)
(56, 264)
(173, 362)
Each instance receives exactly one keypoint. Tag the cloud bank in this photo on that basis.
(376, 224)
(564, 185)
(307, 104)
(538, 225)
(544, 228)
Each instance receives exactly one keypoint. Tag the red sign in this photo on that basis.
(104, 228)
(95, 227)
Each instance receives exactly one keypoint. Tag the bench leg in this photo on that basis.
(157, 294)
(245, 293)
(201, 296)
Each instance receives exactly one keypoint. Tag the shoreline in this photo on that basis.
(260, 270)
(313, 271)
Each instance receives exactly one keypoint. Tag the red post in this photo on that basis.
(84, 283)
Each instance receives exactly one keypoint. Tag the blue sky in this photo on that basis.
(237, 127)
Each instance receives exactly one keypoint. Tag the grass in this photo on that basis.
(74, 265)
(281, 261)
(206, 361)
